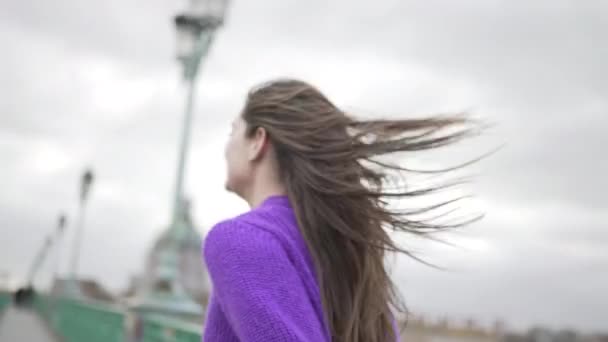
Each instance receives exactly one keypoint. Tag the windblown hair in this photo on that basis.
(340, 191)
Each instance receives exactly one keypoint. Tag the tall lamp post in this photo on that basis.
(38, 260)
(42, 253)
(85, 186)
(61, 223)
(163, 291)
(195, 30)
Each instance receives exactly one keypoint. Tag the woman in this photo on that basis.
(307, 262)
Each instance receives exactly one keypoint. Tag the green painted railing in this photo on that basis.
(5, 300)
(79, 321)
(163, 329)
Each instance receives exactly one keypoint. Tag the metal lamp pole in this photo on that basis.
(195, 30)
(38, 261)
(58, 238)
(42, 254)
(85, 185)
(163, 292)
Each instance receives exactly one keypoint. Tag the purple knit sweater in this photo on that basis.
(264, 284)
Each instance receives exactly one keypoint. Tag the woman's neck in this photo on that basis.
(256, 199)
(266, 183)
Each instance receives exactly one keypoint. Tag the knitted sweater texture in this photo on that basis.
(264, 283)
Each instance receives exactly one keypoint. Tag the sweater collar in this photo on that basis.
(276, 200)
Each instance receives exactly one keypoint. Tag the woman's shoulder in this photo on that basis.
(248, 228)
(240, 241)
(269, 219)
(270, 225)
(231, 232)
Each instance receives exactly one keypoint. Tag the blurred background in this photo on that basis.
(94, 118)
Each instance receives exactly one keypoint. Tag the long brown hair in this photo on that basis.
(340, 192)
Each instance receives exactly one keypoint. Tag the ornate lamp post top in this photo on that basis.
(61, 224)
(194, 31)
(85, 184)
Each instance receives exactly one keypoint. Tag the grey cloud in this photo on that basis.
(520, 281)
(127, 30)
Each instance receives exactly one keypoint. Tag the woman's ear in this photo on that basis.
(259, 141)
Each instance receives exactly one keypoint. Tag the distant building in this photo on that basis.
(599, 338)
(540, 335)
(418, 329)
(567, 336)
(415, 328)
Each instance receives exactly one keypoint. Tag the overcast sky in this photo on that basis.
(95, 83)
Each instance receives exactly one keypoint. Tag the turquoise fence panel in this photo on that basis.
(5, 300)
(83, 321)
(163, 329)
(79, 321)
